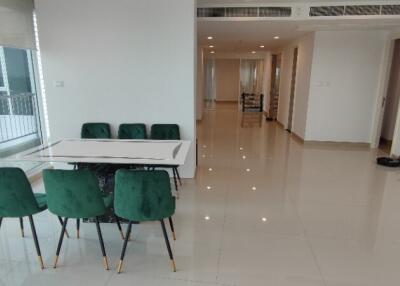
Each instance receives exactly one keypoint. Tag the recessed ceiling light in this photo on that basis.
(203, 156)
(207, 218)
(248, 170)
(212, 52)
(244, 157)
(210, 38)
(208, 187)
(211, 46)
(253, 52)
(276, 37)
(241, 148)
(264, 219)
(254, 188)
(210, 169)
(204, 146)
(262, 46)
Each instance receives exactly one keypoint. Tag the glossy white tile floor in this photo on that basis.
(299, 216)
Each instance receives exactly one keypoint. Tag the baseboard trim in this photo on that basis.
(315, 143)
(297, 138)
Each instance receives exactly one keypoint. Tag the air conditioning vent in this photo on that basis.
(244, 12)
(354, 10)
(327, 11)
(275, 11)
(241, 12)
(210, 12)
(390, 10)
(362, 10)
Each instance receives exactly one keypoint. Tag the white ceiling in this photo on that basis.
(248, 35)
(252, 2)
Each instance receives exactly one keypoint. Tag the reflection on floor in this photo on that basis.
(251, 119)
(262, 210)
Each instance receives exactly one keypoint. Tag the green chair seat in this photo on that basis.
(73, 193)
(16, 196)
(143, 195)
(132, 131)
(96, 130)
(41, 200)
(165, 132)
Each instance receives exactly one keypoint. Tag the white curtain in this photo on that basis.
(251, 76)
(16, 24)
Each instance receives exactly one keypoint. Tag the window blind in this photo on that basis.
(16, 24)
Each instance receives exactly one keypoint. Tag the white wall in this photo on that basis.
(200, 84)
(344, 84)
(267, 81)
(120, 61)
(305, 47)
(227, 79)
(393, 95)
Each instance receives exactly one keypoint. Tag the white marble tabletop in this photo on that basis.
(111, 151)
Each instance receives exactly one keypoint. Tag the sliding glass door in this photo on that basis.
(19, 112)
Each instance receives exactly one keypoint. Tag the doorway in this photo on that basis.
(292, 90)
(390, 102)
(274, 93)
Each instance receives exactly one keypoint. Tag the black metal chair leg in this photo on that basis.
(1, 220)
(60, 241)
(168, 246)
(35, 239)
(127, 235)
(21, 224)
(171, 224)
(78, 226)
(179, 176)
(119, 227)
(175, 181)
(103, 250)
(61, 222)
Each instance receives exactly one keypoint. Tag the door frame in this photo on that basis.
(384, 77)
(292, 89)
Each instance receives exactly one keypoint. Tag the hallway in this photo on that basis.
(292, 214)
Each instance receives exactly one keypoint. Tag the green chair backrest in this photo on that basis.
(165, 132)
(73, 193)
(143, 195)
(132, 131)
(96, 131)
(16, 195)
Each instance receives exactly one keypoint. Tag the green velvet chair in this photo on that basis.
(167, 132)
(132, 131)
(76, 194)
(144, 196)
(96, 131)
(17, 200)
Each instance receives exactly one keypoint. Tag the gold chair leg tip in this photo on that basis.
(119, 269)
(106, 263)
(173, 266)
(55, 262)
(41, 262)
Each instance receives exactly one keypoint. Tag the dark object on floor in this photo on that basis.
(388, 162)
(252, 102)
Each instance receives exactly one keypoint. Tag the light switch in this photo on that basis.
(58, 83)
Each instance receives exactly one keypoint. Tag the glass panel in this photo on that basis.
(1, 78)
(19, 116)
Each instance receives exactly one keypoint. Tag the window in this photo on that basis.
(19, 115)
